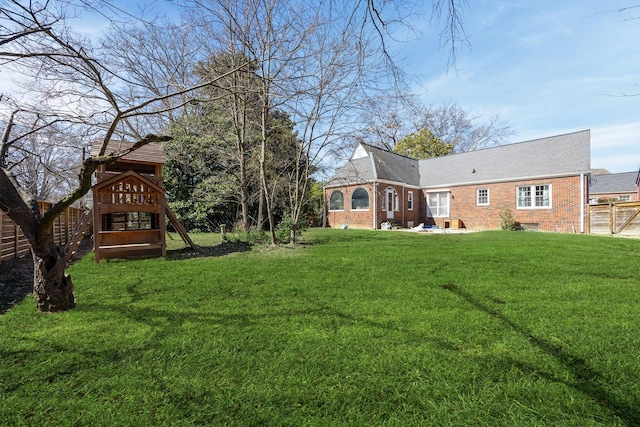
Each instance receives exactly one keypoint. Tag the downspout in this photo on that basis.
(375, 204)
(582, 202)
(324, 206)
(402, 205)
(375, 191)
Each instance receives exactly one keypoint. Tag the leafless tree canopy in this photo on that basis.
(467, 131)
(130, 78)
(70, 81)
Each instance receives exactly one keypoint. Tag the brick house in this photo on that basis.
(613, 187)
(543, 182)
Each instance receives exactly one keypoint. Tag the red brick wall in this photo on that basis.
(365, 218)
(353, 218)
(564, 214)
(614, 196)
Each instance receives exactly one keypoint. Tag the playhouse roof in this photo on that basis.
(150, 153)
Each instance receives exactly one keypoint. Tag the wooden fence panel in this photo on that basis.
(13, 244)
(627, 219)
(621, 218)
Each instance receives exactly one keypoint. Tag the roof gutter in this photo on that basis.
(499, 180)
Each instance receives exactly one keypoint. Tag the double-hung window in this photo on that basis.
(438, 204)
(534, 196)
(410, 200)
(482, 197)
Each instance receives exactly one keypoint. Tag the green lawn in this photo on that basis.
(349, 328)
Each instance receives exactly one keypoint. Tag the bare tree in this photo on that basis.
(113, 89)
(45, 163)
(465, 130)
(321, 63)
(67, 79)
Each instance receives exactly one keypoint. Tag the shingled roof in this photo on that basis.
(555, 156)
(150, 153)
(612, 183)
(370, 163)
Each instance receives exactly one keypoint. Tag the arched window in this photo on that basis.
(360, 199)
(336, 201)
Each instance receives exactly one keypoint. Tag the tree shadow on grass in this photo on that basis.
(588, 381)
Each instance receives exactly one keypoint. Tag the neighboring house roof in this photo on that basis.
(561, 155)
(370, 163)
(624, 182)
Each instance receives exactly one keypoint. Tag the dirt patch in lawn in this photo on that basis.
(16, 282)
(16, 277)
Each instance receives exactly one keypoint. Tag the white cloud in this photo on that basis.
(612, 137)
(616, 148)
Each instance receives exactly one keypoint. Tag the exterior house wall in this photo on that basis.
(564, 214)
(402, 215)
(633, 197)
(359, 218)
(563, 159)
(364, 218)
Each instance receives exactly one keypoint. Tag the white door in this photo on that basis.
(389, 204)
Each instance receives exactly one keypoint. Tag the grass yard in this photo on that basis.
(350, 328)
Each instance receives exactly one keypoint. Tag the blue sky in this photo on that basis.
(545, 67)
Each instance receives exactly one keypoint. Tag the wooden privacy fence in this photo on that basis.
(13, 244)
(621, 218)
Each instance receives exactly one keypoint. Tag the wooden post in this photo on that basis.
(163, 229)
(97, 226)
(612, 218)
(223, 232)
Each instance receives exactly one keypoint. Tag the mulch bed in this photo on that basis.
(16, 281)
(16, 277)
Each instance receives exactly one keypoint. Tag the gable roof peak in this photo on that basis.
(376, 149)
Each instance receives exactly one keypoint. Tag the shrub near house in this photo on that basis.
(544, 182)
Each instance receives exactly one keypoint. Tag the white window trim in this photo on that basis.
(410, 200)
(624, 198)
(448, 193)
(532, 188)
(478, 197)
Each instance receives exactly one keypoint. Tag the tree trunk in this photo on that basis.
(260, 220)
(52, 288)
(293, 233)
